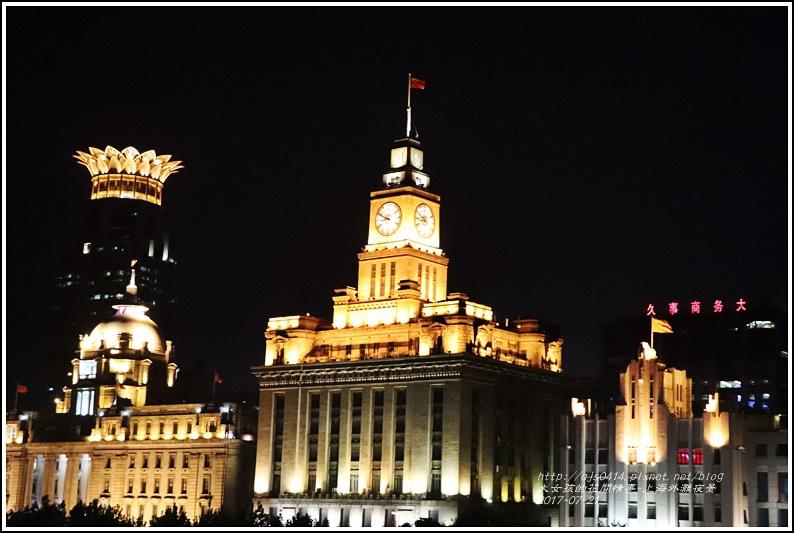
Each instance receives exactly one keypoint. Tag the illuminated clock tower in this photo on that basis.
(404, 228)
(393, 401)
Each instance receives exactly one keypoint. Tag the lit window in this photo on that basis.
(632, 454)
(87, 369)
(86, 248)
(683, 456)
(697, 456)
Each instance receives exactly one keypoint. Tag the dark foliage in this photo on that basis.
(95, 514)
(172, 517)
(426, 522)
(301, 520)
(47, 514)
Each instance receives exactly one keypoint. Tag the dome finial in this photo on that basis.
(132, 289)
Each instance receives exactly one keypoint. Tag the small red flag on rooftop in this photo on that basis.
(20, 389)
(218, 378)
(413, 83)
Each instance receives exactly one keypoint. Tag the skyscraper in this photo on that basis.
(124, 221)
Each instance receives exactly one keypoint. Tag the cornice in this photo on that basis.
(402, 369)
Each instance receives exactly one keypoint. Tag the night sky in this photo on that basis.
(590, 160)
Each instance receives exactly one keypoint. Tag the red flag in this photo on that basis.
(21, 388)
(218, 378)
(416, 83)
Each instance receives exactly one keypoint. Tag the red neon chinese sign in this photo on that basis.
(696, 307)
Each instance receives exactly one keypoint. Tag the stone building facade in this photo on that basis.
(412, 400)
(119, 433)
(655, 463)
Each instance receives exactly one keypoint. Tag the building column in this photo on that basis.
(84, 475)
(48, 478)
(27, 496)
(70, 480)
(264, 449)
(451, 456)
(418, 448)
(19, 470)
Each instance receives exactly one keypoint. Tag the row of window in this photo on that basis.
(697, 514)
(762, 450)
(392, 280)
(356, 403)
(144, 485)
(697, 456)
(762, 479)
(427, 287)
(207, 425)
(158, 460)
(763, 517)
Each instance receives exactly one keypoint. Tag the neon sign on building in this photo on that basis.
(696, 307)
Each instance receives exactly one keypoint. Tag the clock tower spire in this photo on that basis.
(403, 245)
(402, 267)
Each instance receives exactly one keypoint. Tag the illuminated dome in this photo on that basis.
(131, 327)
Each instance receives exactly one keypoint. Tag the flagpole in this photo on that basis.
(214, 382)
(16, 397)
(408, 125)
(651, 332)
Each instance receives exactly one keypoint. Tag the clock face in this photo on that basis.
(424, 221)
(388, 218)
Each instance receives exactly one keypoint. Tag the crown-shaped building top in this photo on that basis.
(127, 173)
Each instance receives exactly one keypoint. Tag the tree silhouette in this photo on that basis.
(214, 518)
(301, 520)
(426, 522)
(46, 514)
(262, 519)
(96, 515)
(172, 517)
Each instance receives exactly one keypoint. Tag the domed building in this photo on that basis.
(123, 217)
(121, 433)
(122, 358)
